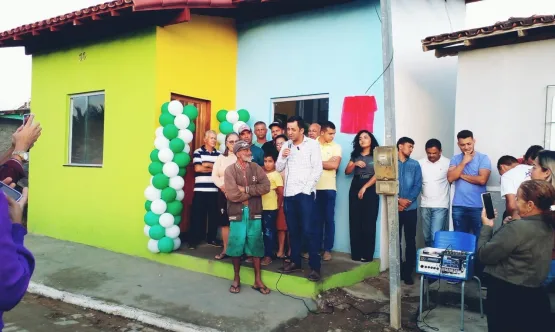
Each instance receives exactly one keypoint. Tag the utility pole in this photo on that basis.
(390, 137)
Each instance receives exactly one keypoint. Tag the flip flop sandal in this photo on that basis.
(235, 289)
(261, 290)
(220, 257)
(266, 263)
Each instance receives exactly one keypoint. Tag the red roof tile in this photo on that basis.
(62, 19)
(24, 35)
(512, 25)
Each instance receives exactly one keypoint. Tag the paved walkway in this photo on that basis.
(176, 293)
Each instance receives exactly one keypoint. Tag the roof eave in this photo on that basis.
(452, 47)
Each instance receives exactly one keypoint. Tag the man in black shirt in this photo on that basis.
(276, 129)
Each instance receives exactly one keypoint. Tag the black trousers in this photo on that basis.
(514, 308)
(205, 204)
(407, 221)
(363, 214)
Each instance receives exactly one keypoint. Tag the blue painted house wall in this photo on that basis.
(334, 50)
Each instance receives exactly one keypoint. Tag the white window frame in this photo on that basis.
(296, 98)
(88, 94)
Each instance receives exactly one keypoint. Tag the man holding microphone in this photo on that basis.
(302, 161)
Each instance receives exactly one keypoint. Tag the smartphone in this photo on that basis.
(26, 118)
(16, 195)
(488, 205)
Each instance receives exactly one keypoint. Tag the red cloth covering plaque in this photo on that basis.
(358, 113)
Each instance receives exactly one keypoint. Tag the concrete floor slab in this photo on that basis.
(447, 319)
(173, 292)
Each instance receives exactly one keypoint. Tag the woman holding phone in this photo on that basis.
(18, 263)
(517, 260)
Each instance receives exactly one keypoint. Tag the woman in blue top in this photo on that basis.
(363, 200)
(17, 262)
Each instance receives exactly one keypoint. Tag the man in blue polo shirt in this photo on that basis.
(470, 172)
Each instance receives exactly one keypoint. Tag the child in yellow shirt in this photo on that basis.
(270, 204)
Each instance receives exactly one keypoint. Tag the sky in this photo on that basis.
(15, 66)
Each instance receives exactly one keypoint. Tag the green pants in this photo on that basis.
(245, 237)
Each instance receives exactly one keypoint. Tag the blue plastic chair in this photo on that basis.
(455, 241)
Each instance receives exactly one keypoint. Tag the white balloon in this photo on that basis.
(147, 230)
(165, 155)
(186, 135)
(222, 148)
(182, 121)
(177, 182)
(180, 195)
(161, 143)
(170, 169)
(173, 231)
(166, 220)
(187, 148)
(176, 243)
(237, 125)
(158, 206)
(152, 193)
(232, 117)
(159, 131)
(221, 138)
(175, 108)
(153, 246)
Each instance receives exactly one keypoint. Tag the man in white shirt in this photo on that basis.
(434, 200)
(302, 161)
(512, 175)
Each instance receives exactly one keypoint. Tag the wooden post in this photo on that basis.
(390, 140)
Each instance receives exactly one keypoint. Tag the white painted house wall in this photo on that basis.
(501, 97)
(425, 87)
(501, 91)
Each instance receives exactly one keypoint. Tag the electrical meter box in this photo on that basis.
(386, 168)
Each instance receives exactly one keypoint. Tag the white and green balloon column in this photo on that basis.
(167, 168)
(230, 121)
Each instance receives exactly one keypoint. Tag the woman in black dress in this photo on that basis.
(363, 200)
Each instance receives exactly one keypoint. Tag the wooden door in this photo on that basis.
(202, 124)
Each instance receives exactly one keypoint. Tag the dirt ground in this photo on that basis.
(39, 314)
(340, 312)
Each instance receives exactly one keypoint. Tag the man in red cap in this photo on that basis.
(245, 134)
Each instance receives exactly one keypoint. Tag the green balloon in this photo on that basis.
(192, 127)
(165, 107)
(166, 119)
(226, 128)
(244, 115)
(171, 131)
(155, 168)
(157, 232)
(165, 245)
(177, 145)
(160, 181)
(221, 115)
(182, 171)
(182, 159)
(169, 194)
(147, 205)
(151, 218)
(176, 220)
(175, 208)
(191, 111)
(154, 155)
